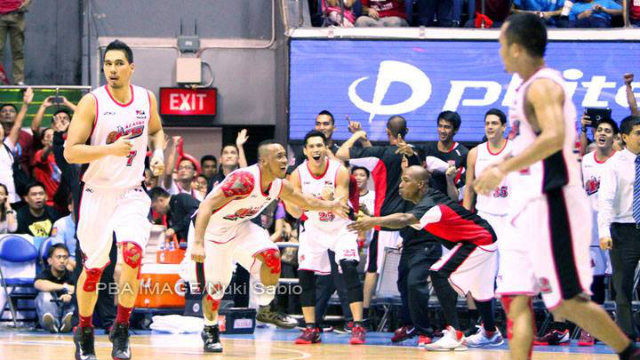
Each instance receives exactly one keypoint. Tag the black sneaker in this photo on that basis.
(266, 315)
(83, 340)
(119, 336)
(211, 337)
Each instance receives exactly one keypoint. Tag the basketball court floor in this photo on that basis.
(266, 344)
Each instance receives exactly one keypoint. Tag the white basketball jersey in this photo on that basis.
(495, 203)
(240, 210)
(557, 171)
(315, 186)
(112, 121)
(592, 169)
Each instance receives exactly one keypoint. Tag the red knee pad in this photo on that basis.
(272, 260)
(93, 277)
(131, 254)
(215, 304)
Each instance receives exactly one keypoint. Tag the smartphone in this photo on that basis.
(597, 114)
(57, 100)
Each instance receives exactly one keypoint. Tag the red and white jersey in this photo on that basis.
(243, 209)
(112, 121)
(558, 170)
(316, 186)
(591, 172)
(495, 203)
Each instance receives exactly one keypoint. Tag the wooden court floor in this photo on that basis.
(38, 346)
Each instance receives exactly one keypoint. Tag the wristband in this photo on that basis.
(11, 212)
(159, 154)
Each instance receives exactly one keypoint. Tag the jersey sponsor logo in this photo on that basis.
(108, 113)
(545, 285)
(135, 131)
(592, 185)
(243, 213)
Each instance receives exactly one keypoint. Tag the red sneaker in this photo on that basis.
(554, 337)
(358, 334)
(423, 340)
(403, 333)
(309, 336)
(586, 339)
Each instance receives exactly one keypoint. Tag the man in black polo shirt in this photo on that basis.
(53, 303)
(386, 167)
(178, 209)
(37, 218)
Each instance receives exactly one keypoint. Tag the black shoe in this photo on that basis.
(83, 339)
(211, 337)
(266, 315)
(119, 336)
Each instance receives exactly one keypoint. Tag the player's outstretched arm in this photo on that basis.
(343, 152)
(76, 150)
(393, 221)
(292, 196)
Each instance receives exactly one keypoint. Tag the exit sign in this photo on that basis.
(188, 102)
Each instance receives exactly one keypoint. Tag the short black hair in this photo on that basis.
(12, 105)
(397, 125)
(629, 123)
(32, 185)
(315, 133)
(499, 113)
(158, 192)
(62, 111)
(529, 31)
(450, 116)
(264, 143)
(119, 45)
(55, 247)
(329, 114)
(353, 169)
(611, 123)
(208, 158)
(229, 144)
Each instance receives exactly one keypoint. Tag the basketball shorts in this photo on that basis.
(314, 243)
(471, 269)
(222, 254)
(381, 240)
(105, 212)
(546, 248)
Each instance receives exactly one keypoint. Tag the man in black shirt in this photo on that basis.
(53, 303)
(178, 209)
(36, 219)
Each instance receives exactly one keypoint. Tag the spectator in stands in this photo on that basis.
(594, 13)
(631, 98)
(232, 157)
(633, 16)
(37, 218)
(8, 222)
(9, 142)
(439, 13)
(209, 165)
(200, 185)
(64, 232)
(335, 14)
(23, 144)
(150, 181)
(60, 116)
(495, 13)
(45, 169)
(12, 22)
(187, 169)
(548, 10)
(382, 13)
(178, 208)
(53, 303)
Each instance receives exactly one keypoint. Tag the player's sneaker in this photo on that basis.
(554, 337)
(403, 333)
(423, 340)
(84, 342)
(586, 339)
(451, 340)
(309, 336)
(358, 334)
(266, 315)
(211, 337)
(481, 338)
(119, 336)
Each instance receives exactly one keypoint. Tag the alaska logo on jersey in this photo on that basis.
(243, 213)
(592, 185)
(135, 131)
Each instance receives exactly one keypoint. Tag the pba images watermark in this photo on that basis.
(179, 288)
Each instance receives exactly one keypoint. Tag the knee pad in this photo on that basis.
(308, 287)
(131, 254)
(215, 303)
(351, 280)
(93, 277)
(271, 258)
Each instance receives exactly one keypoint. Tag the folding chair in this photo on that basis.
(15, 249)
(387, 294)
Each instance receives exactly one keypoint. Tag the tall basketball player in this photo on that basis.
(549, 224)
(322, 177)
(109, 136)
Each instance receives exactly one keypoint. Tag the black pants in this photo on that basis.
(326, 286)
(413, 271)
(624, 259)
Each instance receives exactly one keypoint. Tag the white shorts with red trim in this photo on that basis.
(471, 269)
(383, 239)
(314, 243)
(105, 212)
(221, 257)
(546, 248)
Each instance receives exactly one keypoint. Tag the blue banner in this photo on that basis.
(370, 80)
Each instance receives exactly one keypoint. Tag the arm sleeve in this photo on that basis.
(606, 200)
(373, 151)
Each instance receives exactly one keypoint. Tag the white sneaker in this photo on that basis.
(480, 339)
(451, 340)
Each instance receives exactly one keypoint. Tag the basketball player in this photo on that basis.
(549, 221)
(108, 135)
(493, 207)
(223, 221)
(323, 178)
(472, 263)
